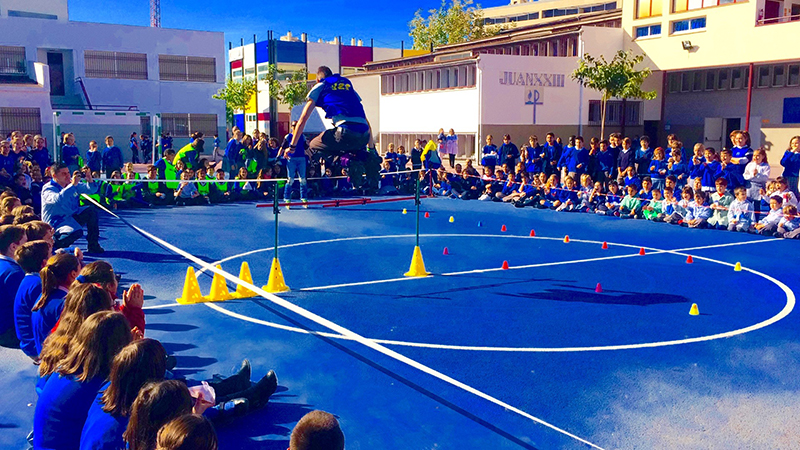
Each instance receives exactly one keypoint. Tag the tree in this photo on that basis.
(289, 89)
(453, 24)
(616, 79)
(237, 94)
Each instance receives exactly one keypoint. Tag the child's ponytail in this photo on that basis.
(55, 274)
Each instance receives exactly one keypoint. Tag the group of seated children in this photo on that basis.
(100, 383)
(711, 190)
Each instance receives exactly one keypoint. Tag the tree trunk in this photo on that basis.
(624, 114)
(603, 103)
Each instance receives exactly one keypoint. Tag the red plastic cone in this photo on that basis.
(605, 245)
(505, 265)
(641, 251)
(533, 233)
(446, 251)
(566, 239)
(427, 214)
(599, 288)
(689, 259)
(503, 228)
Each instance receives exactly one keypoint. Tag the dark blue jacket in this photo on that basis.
(11, 275)
(46, 318)
(626, 159)
(508, 152)
(28, 293)
(707, 173)
(41, 158)
(791, 164)
(102, 431)
(94, 160)
(112, 158)
(70, 154)
(61, 412)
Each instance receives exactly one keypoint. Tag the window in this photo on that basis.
(26, 120)
(614, 112)
(722, 80)
(711, 79)
(686, 81)
(12, 61)
(190, 68)
(650, 30)
(182, 125)
(119, 65)
(648, 8)
(736, 78)
(680, 26)
(237, 73)
(763, 76)
(794, 75)
(458, 76)
(697, 85)
(778, 76)
(674, 82)
(690, 5)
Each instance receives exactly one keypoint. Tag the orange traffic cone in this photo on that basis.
(566, 239)
(505, 265)
(533, 233)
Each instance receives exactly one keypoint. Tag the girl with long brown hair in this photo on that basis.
(57, 276)
(64, 403)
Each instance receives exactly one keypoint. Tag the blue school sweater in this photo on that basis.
(553, 153)
(70, 154)
(731, 174)
(489, 159)
(634, 180)
(742, 152)
(580, 156)
(94, 160)
(693, 166)
(41, 158)
(46, 318)
(626, 159)
(643, 158)
(61, 412)
(28, 293)
(392, 158)
(508, 152)
(386, 180)
(706, 172)
(536, 162)
(656, 167)
(790, 163)
(606, 161)
(678, 169)
(112, 158)
(565, 195)
(566, 155)
(11, 275)
(402, 161)
(102, 431)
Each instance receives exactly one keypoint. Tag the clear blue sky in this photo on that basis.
(384, 21)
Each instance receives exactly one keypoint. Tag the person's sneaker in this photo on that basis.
(288, 204)
(95, 248)
(305, 203)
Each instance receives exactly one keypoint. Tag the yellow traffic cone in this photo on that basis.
(219, 289)
(275, 283)
(417, 265)
(191, 289)
(737, 267)
(244, 275)
(694, 311)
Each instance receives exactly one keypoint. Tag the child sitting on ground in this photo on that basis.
(388, 178)
(613, 198)
(720, 200)
(654, 208)
(740, 211)
(630, 207)
(186, 194)
(789, 224)
(698, 212)
(769, 224)
(567, 196)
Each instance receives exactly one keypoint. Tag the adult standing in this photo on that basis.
(451, 147)
(188, 153)
(230, 163)
(295, 163)
(61, 208)
(351, 133)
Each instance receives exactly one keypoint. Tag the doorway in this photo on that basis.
(731, 125)
(56, 63)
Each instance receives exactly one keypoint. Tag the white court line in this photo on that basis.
(346, 332)
(790, 303)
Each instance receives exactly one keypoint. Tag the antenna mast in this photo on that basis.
(155, 13)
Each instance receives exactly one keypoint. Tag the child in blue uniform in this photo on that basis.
(490, 154)
(32, 257)
(707, 170)
(659, 167)
(57, 276)
(11, 275)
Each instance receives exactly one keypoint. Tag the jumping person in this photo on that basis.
(351, 133)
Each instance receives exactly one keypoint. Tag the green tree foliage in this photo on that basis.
(450, 24)
(616, 79)
(237, 94)
(289, 88)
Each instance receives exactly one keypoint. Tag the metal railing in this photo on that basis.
(779, 19)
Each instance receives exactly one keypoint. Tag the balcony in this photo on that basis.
(771, 12)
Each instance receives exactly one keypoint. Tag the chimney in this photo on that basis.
(360, 43)
(353, 41)
(304, 37)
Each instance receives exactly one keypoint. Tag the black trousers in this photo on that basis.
(86, 218)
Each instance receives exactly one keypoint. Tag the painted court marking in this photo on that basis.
(787, 309)
(346, 332)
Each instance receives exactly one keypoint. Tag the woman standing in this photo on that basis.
(451, 147)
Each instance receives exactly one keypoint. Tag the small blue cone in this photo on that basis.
(480, 224)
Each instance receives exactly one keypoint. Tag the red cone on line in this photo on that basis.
(641, 251)
(446, 251)
(566, 239)
(427, 214)
(598, 289)
(505, 265)
(689, 259)
(503, 229)
(605, 245)
(533, 233)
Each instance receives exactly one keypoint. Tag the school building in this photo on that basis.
(97, 79)
(516, 83)
(291, 53)
(724, 65)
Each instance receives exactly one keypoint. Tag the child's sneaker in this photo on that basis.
(288, 204)
(305, 203)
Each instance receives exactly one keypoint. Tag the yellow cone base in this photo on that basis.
(275, 283)
(694, 311)
(737, 267)
(417, 265)
(191, 289)
(219, 289)
(244, 275)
